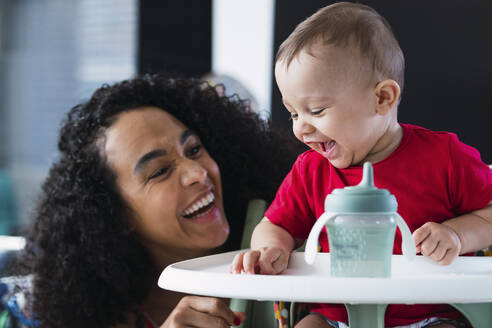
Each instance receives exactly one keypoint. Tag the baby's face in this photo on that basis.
(332, 101)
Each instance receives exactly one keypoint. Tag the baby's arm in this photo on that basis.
(464, 234)
(271, 246)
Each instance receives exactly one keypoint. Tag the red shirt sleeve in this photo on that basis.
(470, 179)
(290, 209)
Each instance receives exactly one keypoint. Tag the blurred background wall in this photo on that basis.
(55, 53)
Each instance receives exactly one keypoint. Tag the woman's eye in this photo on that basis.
(317, 111)
(194, 150)
(159, 172)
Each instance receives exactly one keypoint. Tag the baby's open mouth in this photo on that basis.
(328, 146)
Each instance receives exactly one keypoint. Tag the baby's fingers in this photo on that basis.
(449, 257)
(439, 252)
(244, 262)
(250, 261)
(420, 235)
(429, 246)
(445, 252)
(237, 263)
(272, 261)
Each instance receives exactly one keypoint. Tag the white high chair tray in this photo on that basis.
(466, 280)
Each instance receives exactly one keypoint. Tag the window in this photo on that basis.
(53, 55)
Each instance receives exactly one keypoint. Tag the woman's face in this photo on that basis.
(169, 181)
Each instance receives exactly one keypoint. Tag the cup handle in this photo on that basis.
(407, 244)
(312, 242)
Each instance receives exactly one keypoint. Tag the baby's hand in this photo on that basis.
(437, 241)
(266, 260)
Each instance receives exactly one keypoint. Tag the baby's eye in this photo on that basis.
(293, 116)
(317, 111)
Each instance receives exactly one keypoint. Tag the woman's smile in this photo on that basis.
(203, 210)
(200, 206)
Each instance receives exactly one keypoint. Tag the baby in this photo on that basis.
(340, 74)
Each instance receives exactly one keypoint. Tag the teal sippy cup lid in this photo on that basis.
(365, 197)
(362, 199)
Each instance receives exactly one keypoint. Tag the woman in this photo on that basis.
(137, 187)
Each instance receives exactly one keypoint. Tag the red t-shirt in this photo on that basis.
(433, 176)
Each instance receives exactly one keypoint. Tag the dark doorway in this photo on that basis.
(175, 36)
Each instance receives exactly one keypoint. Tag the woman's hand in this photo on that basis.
(202, 312)
(437, 241)
(266, 260)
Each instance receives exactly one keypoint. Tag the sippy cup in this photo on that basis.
(361, 223)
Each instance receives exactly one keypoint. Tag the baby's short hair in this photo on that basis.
(349, 24)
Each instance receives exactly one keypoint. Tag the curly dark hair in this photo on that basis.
(89, 268)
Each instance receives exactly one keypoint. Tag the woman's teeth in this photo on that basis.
(200, 204)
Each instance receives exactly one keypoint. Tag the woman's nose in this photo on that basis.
(192, 172)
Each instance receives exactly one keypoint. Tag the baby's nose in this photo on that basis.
(303, 126)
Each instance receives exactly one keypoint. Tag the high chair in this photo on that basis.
(258, 313)
(262, 314)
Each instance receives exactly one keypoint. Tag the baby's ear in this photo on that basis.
(387, 96)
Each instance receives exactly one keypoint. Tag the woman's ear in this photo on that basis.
(387, 96)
